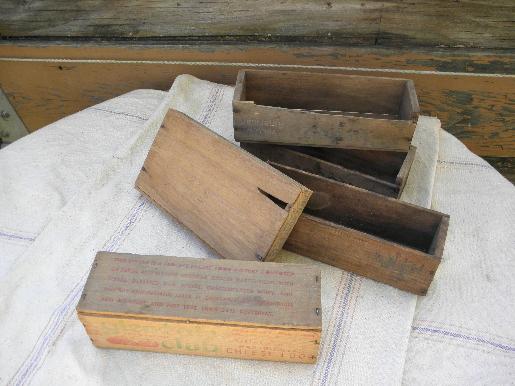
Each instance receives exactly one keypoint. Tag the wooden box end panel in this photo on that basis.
(311, 109)
(379, 237)
(243, 208)
(381, 172)
(402, 176)
(205, 339)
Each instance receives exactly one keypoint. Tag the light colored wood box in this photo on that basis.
(209, 307)
(383, 172)
(238, 204)
(324, 110)
(379, 237)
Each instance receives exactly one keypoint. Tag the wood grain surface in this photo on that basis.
(469, 23)
(312, 160)
(310, 109)
(46, 81)
(240, 206)
(375, 236)
(204, 290)
(210, 307)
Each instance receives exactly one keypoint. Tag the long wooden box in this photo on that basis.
(239, 205)
(364, 232)
(328, 110)
(210, 307)
(383, 172)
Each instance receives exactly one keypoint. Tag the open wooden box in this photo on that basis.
(324, 110)
(383, 172)
(364, 232)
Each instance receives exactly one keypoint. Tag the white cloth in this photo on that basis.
(67, 191)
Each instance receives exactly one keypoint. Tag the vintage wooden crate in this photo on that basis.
(328, 110)
(210, 307)
(383, 172)
(364, 232)
(239, 205)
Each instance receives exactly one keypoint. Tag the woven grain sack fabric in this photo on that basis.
(68, 191)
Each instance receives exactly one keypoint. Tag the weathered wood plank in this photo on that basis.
(469, 23)
(476, 108)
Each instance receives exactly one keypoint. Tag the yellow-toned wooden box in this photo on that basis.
(211, 307)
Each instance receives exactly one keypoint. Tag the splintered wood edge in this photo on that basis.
(209, 322)
(294, 211)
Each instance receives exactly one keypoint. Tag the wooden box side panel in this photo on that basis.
(306, 162)
(318, 91)
(256, 123)
(354, 251)
(219, 191)
(288, 345)
(381, 164)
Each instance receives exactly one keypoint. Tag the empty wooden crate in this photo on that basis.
(209, 307)
(328, 110)
(383, 172)
(379, 237)
(238, 204)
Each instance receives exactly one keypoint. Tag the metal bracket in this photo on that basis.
(11, 126)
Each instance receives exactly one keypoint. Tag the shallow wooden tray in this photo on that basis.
(311, 109)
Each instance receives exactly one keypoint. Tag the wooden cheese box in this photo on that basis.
(324, 110)
(238, 204)
(383, 172)
(364, 232)
(210, 307)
